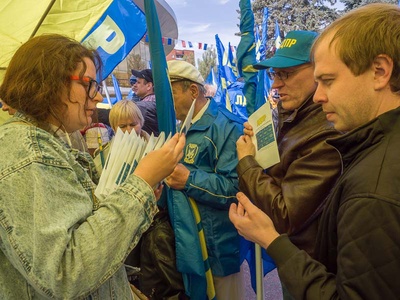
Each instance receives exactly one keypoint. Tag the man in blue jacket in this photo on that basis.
(207, 176)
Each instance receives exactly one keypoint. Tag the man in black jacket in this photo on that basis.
(357, 68)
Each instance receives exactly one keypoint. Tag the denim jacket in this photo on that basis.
(56, 239)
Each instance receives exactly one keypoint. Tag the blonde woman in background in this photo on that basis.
(126, 115)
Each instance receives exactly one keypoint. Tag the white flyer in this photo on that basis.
(188, 120)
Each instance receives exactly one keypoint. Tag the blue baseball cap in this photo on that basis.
(294, 50)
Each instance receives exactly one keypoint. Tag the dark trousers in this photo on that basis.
(155, 255)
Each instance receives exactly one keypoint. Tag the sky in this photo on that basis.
(200, 20)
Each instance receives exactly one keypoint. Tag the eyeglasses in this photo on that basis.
(93, 87)
(283, 75)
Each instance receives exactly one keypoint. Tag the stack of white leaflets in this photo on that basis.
(127, 149)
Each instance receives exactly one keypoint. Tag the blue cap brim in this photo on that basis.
(279, 62)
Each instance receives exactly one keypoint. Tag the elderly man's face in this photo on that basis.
(294, 85)
(182, 99)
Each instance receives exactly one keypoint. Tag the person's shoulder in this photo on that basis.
(231, 118)
(4, 116)
(149, 98)
(143, 106)
(227, 124)
(24, 143)
(19, 132)
(146, 105)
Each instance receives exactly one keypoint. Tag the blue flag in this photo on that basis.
(224, 68)
(220, 95)
(246, 60)
(277, 36)
(232, 60)
(246, 56)
(262, 49)
(112, 36)
(117, 90)
(247, 252)
(162, 87)
(264, 83)
(211, 78)
(222, 74)
(258, 43)
(238, 100)
(189, 259)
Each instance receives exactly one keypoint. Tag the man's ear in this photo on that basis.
(194, 89)
(383, 68)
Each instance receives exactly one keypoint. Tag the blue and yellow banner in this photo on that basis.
(246, 55)
(246, 58)
(116, 33)
(189, 258)
(264, 83)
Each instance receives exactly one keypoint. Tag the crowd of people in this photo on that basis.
(328, 213)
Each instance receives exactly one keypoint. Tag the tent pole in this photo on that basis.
(42, 18)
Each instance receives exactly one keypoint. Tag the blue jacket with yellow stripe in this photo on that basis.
(210, 155)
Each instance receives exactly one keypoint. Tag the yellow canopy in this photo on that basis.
(19, 21)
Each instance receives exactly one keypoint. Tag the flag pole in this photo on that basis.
(106, 92)
(246, 58)
(259, 273)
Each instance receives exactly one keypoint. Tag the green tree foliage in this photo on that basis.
(294, 15)
(208, 61)
(189, 57)
(351, 4)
